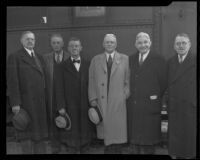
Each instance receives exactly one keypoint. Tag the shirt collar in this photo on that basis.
(29, 51)
(59, 54)
(79, 58)
(183, 57)
(112, 55)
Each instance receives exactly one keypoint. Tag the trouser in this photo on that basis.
(33, 147)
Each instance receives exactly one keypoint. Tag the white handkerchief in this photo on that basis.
(153, 97)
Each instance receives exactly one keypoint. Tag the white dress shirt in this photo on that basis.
(60, 55)
(144, 56)
(77, 65)
(29, 51)
(183, 58)
(108, 54)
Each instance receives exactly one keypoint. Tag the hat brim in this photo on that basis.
(68, 122)
(95, 115)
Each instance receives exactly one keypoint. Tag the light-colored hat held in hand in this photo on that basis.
(95, 115)
(63, 121)
(21, 120)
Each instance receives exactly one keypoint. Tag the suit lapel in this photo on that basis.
(116, 62)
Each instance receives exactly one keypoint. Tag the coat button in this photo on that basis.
(136, 76)
(102, 84)
(102, 97)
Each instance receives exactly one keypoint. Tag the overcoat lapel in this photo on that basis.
(116, 62)
(182, 68)
(28, 59)
(103, 62)
(69, 66)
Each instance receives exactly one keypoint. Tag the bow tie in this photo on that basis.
(76, 61)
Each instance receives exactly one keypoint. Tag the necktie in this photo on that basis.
(109, 66)
(32, 54)
(109, 61)
(141, 59)
(76, 61)
(180, 59)
(58, 59)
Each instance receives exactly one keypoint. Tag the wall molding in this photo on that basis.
(88, 27)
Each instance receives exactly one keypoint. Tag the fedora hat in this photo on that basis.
(63, 121)
(95, 115)
(21, 120)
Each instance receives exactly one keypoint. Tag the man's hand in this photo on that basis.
(93, 103)
(62, 111)
(15, 109)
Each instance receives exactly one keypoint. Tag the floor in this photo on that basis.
(13, 147)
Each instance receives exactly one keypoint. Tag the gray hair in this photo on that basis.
(183, 35)
(110, 35)
(142, 34)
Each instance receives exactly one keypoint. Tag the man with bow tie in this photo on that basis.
(26, 90)
(109, 89)
(52, 60)
(147, 85)
(182, 102)
(72, 98)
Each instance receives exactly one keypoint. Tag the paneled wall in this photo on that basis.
(124, 22)
(162, 23)
(177, 18)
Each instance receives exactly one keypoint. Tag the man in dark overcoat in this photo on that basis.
(72, 98)
(26, 90)
(182, 103)
(148, 82)
(52, 60)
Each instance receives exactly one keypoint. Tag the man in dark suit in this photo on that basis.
(52, 60)
(26, 89)
(182, 100)
(72, 98)
(147, 85)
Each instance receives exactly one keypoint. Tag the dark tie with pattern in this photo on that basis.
(180, 59)
(109, 66)
(58, 59)
(141, 59)
(32, 54)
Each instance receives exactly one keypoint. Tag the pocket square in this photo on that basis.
(153, 97)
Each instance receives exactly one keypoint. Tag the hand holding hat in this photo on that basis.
(15, 109)
(95, 114)
(63, 120)
(21, 120)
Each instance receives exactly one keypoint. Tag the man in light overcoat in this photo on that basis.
(109, 89)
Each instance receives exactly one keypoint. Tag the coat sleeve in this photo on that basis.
(92, 92)
(127, 79)
(59, 87)
(13, 88)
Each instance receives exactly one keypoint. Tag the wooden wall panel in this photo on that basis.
(130, 14)
(177, 18)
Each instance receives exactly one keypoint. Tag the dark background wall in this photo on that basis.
(162, 23)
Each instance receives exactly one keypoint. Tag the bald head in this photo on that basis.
(110, 43)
